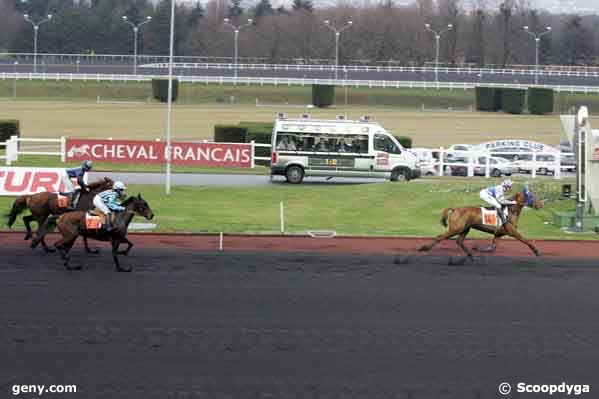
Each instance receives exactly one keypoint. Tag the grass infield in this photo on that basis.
(394, 209)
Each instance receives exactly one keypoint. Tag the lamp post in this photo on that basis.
(135, 33)
(236, 29)
(537, 37)
(337, 32)
(169, 106)
(437, 38)
(36, 28)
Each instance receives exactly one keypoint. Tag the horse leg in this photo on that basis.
(27, 221)
(438, 239)
(67, 248)
(116, 241)
(124, 240)
(460, 242)
(88, 249)
(511, 231)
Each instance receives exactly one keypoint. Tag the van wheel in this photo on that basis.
(400, 174)
(294, 174)
(496, 173)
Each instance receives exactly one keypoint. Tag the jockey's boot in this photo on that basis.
(501, 216)
(109, 224)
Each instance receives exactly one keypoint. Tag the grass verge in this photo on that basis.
(411, 209)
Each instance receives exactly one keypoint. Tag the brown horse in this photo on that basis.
(459, 221)
(73, 224)
(44, 204)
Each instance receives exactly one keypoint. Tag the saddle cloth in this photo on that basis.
(490, 217)
(95, 219)
(63, 201)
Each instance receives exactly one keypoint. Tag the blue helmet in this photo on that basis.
(86, 165)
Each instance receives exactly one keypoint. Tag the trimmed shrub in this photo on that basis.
(513, 100)
(229, 134)
(160, 89)
(9, 127)
(488, 98)
(323, 95)
(540, 101)
(405, 141)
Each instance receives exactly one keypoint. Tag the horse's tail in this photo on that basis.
(18, 206)
(445, 216)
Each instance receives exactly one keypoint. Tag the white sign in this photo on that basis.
(25, 181)
(520, 145)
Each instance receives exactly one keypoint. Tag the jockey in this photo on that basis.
(109, 200)
(80, 174)
(495, 196)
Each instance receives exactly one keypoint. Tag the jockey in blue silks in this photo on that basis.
(80, 174)
(495, 196)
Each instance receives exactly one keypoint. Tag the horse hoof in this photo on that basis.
(66, 264)
(123, 269)
(423, 249)
(93, 251)
(28, 236)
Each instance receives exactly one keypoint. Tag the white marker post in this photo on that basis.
(220, 242)
(170, 102)
(282, 213)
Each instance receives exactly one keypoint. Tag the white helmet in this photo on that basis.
(119, 186)
(507, 183)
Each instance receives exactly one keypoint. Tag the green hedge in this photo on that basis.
(488, 98)
(513, 100)
(405, 141)
(160, 89)
(540, 101)
(229, 134)
(323, 95)
(9, 127)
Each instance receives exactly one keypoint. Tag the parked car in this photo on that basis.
(568, 162)
(497, 167)
(456, 168)
(545, 165)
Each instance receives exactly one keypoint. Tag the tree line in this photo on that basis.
(382, 31)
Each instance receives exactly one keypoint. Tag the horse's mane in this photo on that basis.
(100, 183)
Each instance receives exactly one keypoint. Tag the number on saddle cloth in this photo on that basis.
(93, 221)
(63, 201)
(490, 217)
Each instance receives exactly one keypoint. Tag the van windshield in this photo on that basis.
(382, 142)
(322, 142)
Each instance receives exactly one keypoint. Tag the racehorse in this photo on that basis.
(44, 204)
(73, 224)
(459, 221)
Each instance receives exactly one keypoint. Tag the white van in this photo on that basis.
(339, 147)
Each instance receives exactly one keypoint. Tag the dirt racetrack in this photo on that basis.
(196, 323)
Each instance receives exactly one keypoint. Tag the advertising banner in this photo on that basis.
(23, 181)
(154, 152)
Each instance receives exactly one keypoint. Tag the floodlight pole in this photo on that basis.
(135, 33)
(537, 37)
(437, 39)
(236, 29)
(170, 101)
(337, 32)
(36, 28)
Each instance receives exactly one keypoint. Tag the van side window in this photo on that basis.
(384, 143)
(287, 142)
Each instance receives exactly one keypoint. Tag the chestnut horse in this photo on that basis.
(44, 204)
(459, 221)
(73, 224)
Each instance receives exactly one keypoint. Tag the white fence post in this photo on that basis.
(533, 172)
(63, 149)
(12, 150)
(253, 154)
(557, 173)
(488, 165)
(441, 161)
(470, 164)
